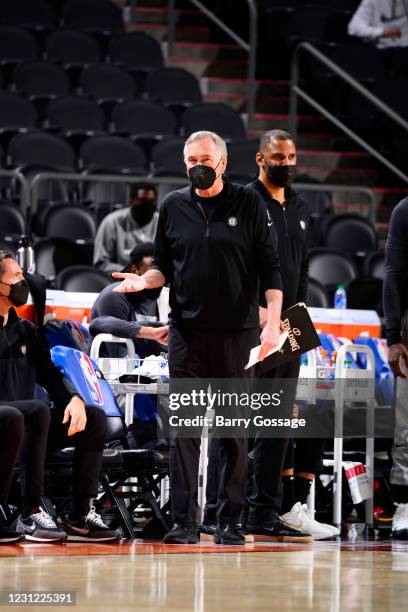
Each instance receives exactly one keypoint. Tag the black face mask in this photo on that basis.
(18, 295)
(202, 177)
(281, 176)
(143, 212)
(148, 294)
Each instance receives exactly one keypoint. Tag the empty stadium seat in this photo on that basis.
(143, 120)
(55, 254)
(108, 85)
(173, 87)
(241, 166)
(41, 81)
(350, 233)
(331, 268)
(137, 51)
(167, 158)
(12, 221)
(316, 294)
(93, 16)
(16, 46)
(70, 221)
(374, 265)
(35, 14)
(42, 149)
(113, 153)
(76, 118)
(16, 114)
(215, 117)
(71, 47)
(82, 278)
(365, 294)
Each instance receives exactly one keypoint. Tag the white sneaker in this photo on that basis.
(302, 519)
(400, 522)
(311, 513)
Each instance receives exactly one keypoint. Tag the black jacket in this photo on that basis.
(292, 224)
(25, 360)
(395, 290)
(215, 266)
(123, 314)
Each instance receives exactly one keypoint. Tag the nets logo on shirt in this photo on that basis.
(91, 378)
(232, 221)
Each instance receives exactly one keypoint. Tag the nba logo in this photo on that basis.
(90, 378)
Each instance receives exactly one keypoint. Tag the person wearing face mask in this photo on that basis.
(215, 247)
(123, 229)
(131, 315)
(24, 361)
(274, 458)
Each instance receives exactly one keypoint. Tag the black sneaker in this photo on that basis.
(179, 534)
(207, 532)
(90, 529)
(275, 530)
(8, 535)
(40, 527)
(229, 535)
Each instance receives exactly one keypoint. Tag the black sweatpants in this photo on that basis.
(269, 454)
(209, 354)
(11, 439)
(304, 455)
(44, 433)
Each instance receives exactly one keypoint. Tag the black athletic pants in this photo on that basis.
(11, 439)
(269, 454)
(44, 432)
(208, 354)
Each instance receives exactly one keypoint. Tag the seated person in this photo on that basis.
(11, 439)
(131, 315)
(123, 229)
(25, 360)
(136, 316)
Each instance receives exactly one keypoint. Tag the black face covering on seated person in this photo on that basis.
(143, 212)
(18, 295)
(281, 176)
(203, 177)
(146, 294)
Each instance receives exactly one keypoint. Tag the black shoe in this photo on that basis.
(208, 528)
(229, 535)
(90, 529)
(179, 534)
(40, 527)
(275, 530)
(8, 535)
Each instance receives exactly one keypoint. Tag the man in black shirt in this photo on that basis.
(215, 246)
(277, 170)
(395, 300)
(24, 361)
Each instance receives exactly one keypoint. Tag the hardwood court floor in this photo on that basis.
(323, 576)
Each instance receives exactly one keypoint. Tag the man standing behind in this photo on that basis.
(395, 299)
(214, 246)
(288, 212)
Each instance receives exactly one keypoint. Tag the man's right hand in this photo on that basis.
(130, 283)
(392, 33)
(159, 334)
(396, 353)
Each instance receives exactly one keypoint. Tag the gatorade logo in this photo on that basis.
(90, 378)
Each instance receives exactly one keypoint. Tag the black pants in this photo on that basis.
(209, 354)
(269, 454)
(44, 433)
(11, 439)
(304, 455)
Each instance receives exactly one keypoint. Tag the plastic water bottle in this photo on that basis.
(340, 298)
(25, 255)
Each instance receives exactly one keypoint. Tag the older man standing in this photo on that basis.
(214, 245)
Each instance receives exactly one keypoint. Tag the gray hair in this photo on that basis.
(267, 138)
(217, 140)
